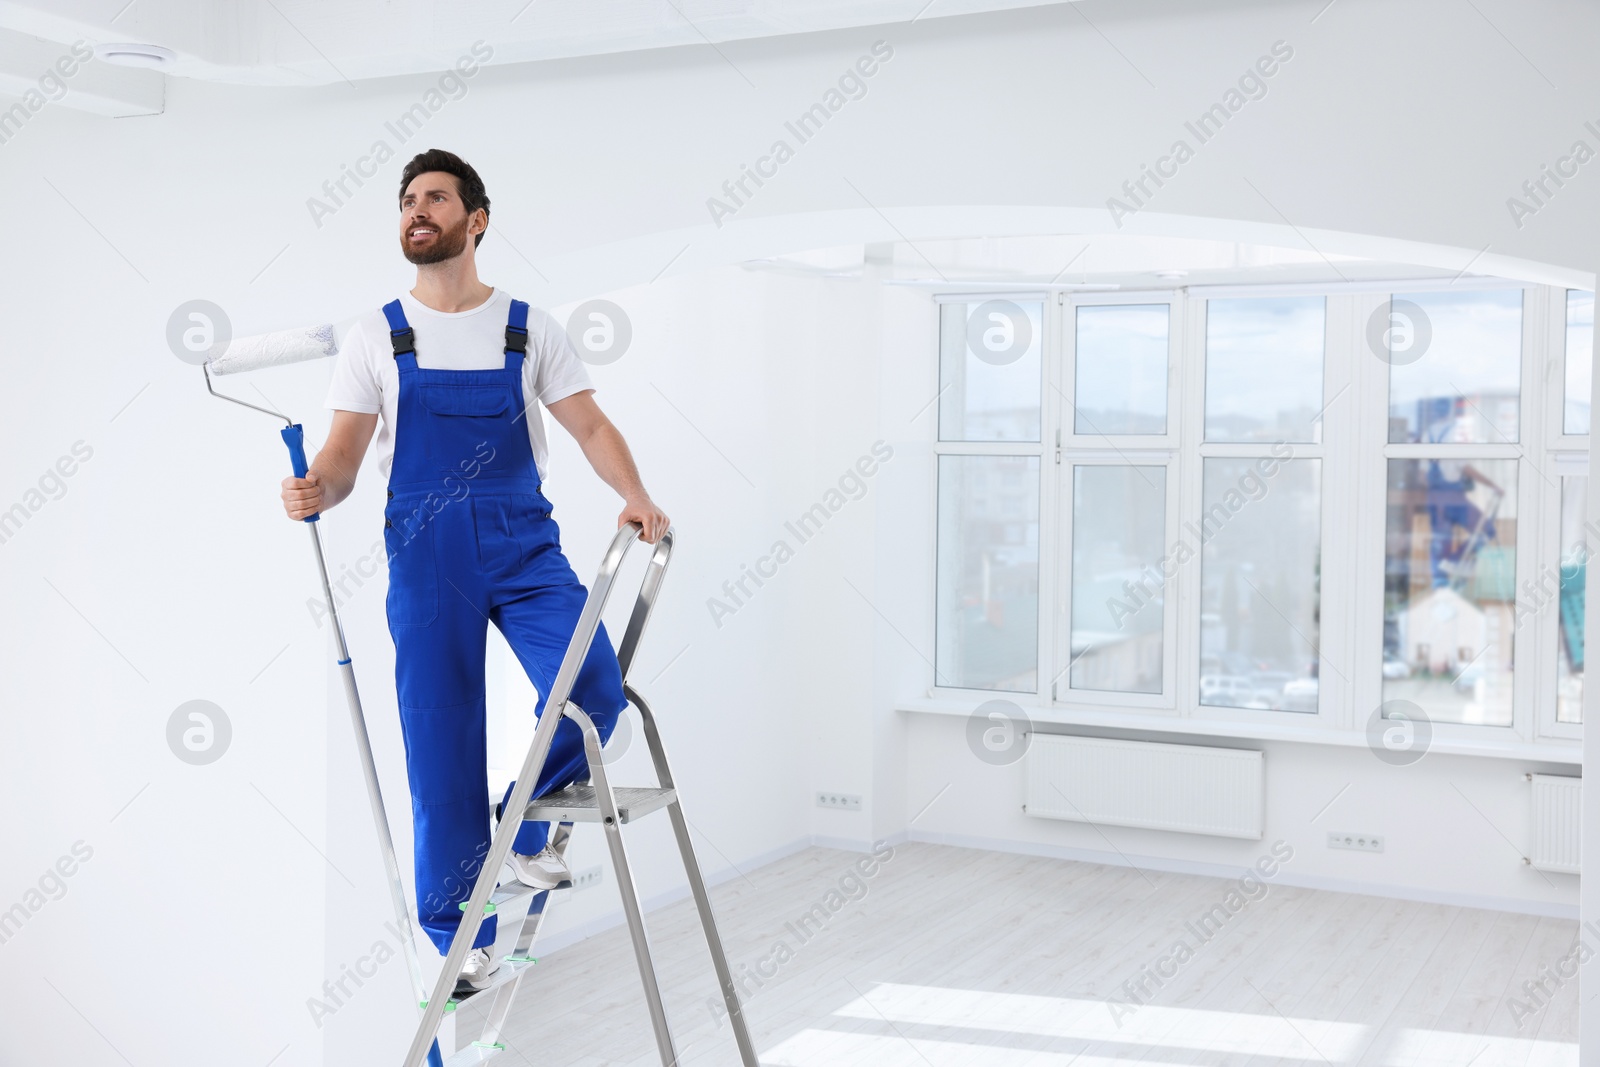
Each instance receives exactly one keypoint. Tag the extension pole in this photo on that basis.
(294, 437)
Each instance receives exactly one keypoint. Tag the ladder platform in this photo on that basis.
(578, 803)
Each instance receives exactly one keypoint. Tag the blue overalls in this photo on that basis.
(470, 541)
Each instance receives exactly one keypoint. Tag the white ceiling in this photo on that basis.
(312, 42)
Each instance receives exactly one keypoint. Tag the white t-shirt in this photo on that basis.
(366, 379)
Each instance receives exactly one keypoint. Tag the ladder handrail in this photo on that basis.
(655, 571)
(511, 820)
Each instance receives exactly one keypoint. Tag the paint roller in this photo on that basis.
(275, 349)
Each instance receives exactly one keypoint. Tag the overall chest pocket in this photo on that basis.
(469, 426)
(472, 401)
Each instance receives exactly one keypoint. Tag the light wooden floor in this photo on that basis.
(957, 956)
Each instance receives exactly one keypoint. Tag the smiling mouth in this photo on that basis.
(422, 232)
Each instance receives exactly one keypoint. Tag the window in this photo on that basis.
(1264, 368)
(1564, 582)
(1574, 555)
(1450, 555)
(1259, 513)
(990, 388)
(1579, 360)
(1118, 577)
(989, 363)
(1121, 369)
(1455, 366)
(988, 598)
(1183, 475)
(1261, 520)
(1450, 589)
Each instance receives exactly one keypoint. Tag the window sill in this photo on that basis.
(1551, 750)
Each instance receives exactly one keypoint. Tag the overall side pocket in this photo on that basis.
(413, 573)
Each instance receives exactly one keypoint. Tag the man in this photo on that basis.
(452, 367)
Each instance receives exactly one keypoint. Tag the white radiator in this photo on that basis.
(1144, 783)
(1557, 802)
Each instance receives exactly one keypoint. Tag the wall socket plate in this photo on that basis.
(839, 801)
(1356, 842)
(587, 878)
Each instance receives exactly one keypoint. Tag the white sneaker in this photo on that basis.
(479, 966)
(545, 870)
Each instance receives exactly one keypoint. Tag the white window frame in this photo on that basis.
(1548, 618)
(1556, 370)
(1197, 450)
(1066, 359)
(942, 448)
(1142, 450)
(1166, 701)
(1530, 442)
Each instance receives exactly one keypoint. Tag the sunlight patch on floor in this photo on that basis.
(1085, 1020)
(1044, 1031)
(813, 1048)
(1444, 1048)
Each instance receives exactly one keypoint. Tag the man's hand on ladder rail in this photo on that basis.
(653, 522)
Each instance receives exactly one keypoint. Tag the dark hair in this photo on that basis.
(468, 185)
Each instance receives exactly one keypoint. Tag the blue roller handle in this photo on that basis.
(295, 438)
(434, 1058)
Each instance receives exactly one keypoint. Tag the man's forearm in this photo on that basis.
(337, 474)
(608, 454)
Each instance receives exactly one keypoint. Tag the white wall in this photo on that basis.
(1455, 827)
(175, 576)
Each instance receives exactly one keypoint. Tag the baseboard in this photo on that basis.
(850, 844)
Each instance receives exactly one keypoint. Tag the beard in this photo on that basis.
(446, 244)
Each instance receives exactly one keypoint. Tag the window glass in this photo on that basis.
(988, 573)
(1119, 519)
(1264, 368)
(989, 364)
(1455, 366)
(1580, 360)
(1450, 589)
(1571, 581)
(1260, 582)
(1121, 369)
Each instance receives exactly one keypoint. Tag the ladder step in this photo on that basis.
(510, 892)
(509, 971)
(579, 803)
(470, 1055)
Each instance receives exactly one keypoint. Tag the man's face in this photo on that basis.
(434, 224)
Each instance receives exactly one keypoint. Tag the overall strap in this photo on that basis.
(517, 332)
(401, 335)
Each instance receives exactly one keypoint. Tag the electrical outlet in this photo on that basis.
(839, 801)
(587, 878)
(1356, 842)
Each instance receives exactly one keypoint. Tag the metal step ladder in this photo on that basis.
(593, 801)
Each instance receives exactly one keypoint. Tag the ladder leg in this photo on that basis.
(625, 887)
(702, 899)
